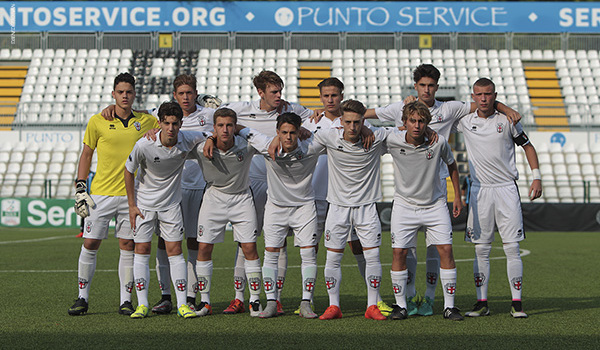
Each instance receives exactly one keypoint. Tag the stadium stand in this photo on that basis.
(553, 89)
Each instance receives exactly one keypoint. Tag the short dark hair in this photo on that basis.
(416, 107)
(170, 108)
(332, 81)
(124, 78)
(184, 79)
(426, 70)
(353, 106)
(290, 118)
(265, 78)
(484, 82)
(225, 112)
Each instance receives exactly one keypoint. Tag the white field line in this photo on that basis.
(36, 240)
(524, 252)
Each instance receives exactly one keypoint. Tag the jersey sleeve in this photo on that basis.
(519, 136)
(135, 157)
(302, 111)
(390, 113)
(314, 147)
(91, 135)
(394, 137)
(459, 109)
(323, 136)
(193, 138)
(311, 125)
(260, 142)
(446, 153)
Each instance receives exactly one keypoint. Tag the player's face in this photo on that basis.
(415, 126)
(224, 129)
(484, 97)
(426, 88)
(124, 95)
(331, 97)
(169, 129)
(186, 97)
(352, 123)
(271, 96)
(288, 136)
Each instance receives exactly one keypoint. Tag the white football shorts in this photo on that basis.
(321, 206)
(406, 221)
(499, 205)
(219, 208)
(169, 222)
(341, 220)
(108, 207)
(302, 220)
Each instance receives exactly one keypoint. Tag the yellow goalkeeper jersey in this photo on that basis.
(113, 142)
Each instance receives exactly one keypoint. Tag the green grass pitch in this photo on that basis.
(561, 296)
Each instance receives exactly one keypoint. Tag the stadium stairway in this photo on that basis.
(546, 97)
(12, 78)
(310, 74)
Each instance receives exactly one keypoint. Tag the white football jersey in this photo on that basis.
(289, 177)
(200, 120)
(444, 115)
(228, 170)
(319, 181)
(416, 169)
(353, 170)
(250, 115)
(491, 148)
(160, 169)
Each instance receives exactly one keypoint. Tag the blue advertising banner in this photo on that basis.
(318, 16)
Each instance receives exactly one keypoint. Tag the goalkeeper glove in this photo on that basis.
(83, 201)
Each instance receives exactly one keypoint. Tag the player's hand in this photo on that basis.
(282, 106)
(431, 135)
(209, 147)
(83, 201)
(535, 191)
(134, 212)
(151, 134)
(108, 113)
(274, 147)
(457, 206)
(304, 133)
(317, 115)
(513, 115)
(367, 136)
(409, 99)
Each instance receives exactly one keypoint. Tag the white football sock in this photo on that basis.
(432, 265)
(204, 270)
(126, 274)
(399, 282)
(269, 272)
(163, 271)
(514, 269)
(141, 274)
(373, 273)
(239, 274)
(281, 270)
(254, 278)
(333, 276)
(411, 264)
(85, 271)
(179, 277)
(481, 269)
(309, 272)
(192, 279)
(448, 277)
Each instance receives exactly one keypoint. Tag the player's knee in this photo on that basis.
(308, 255)
(334, 259)
(482, 250)
(371, 256)
(356, 247)
(512, 250)
(92, 244)
(143, 248)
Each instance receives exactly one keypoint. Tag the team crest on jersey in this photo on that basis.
(200, 231)
(202, 284)
(254, 283)
(517, 282)
(140, 284)
(309, 284)
(450, 288)
(437, 118)
(397, 289)
(327, 235)
(431, 277)
(479, 279)
(83, 283)
(499, 128)
(88, 227)
(202, 122)
(240, 156)
(429, 154)
(137, 126)
(180, 284)
(374, 281)
(330, 282)
(268, 283)
(238, 283)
